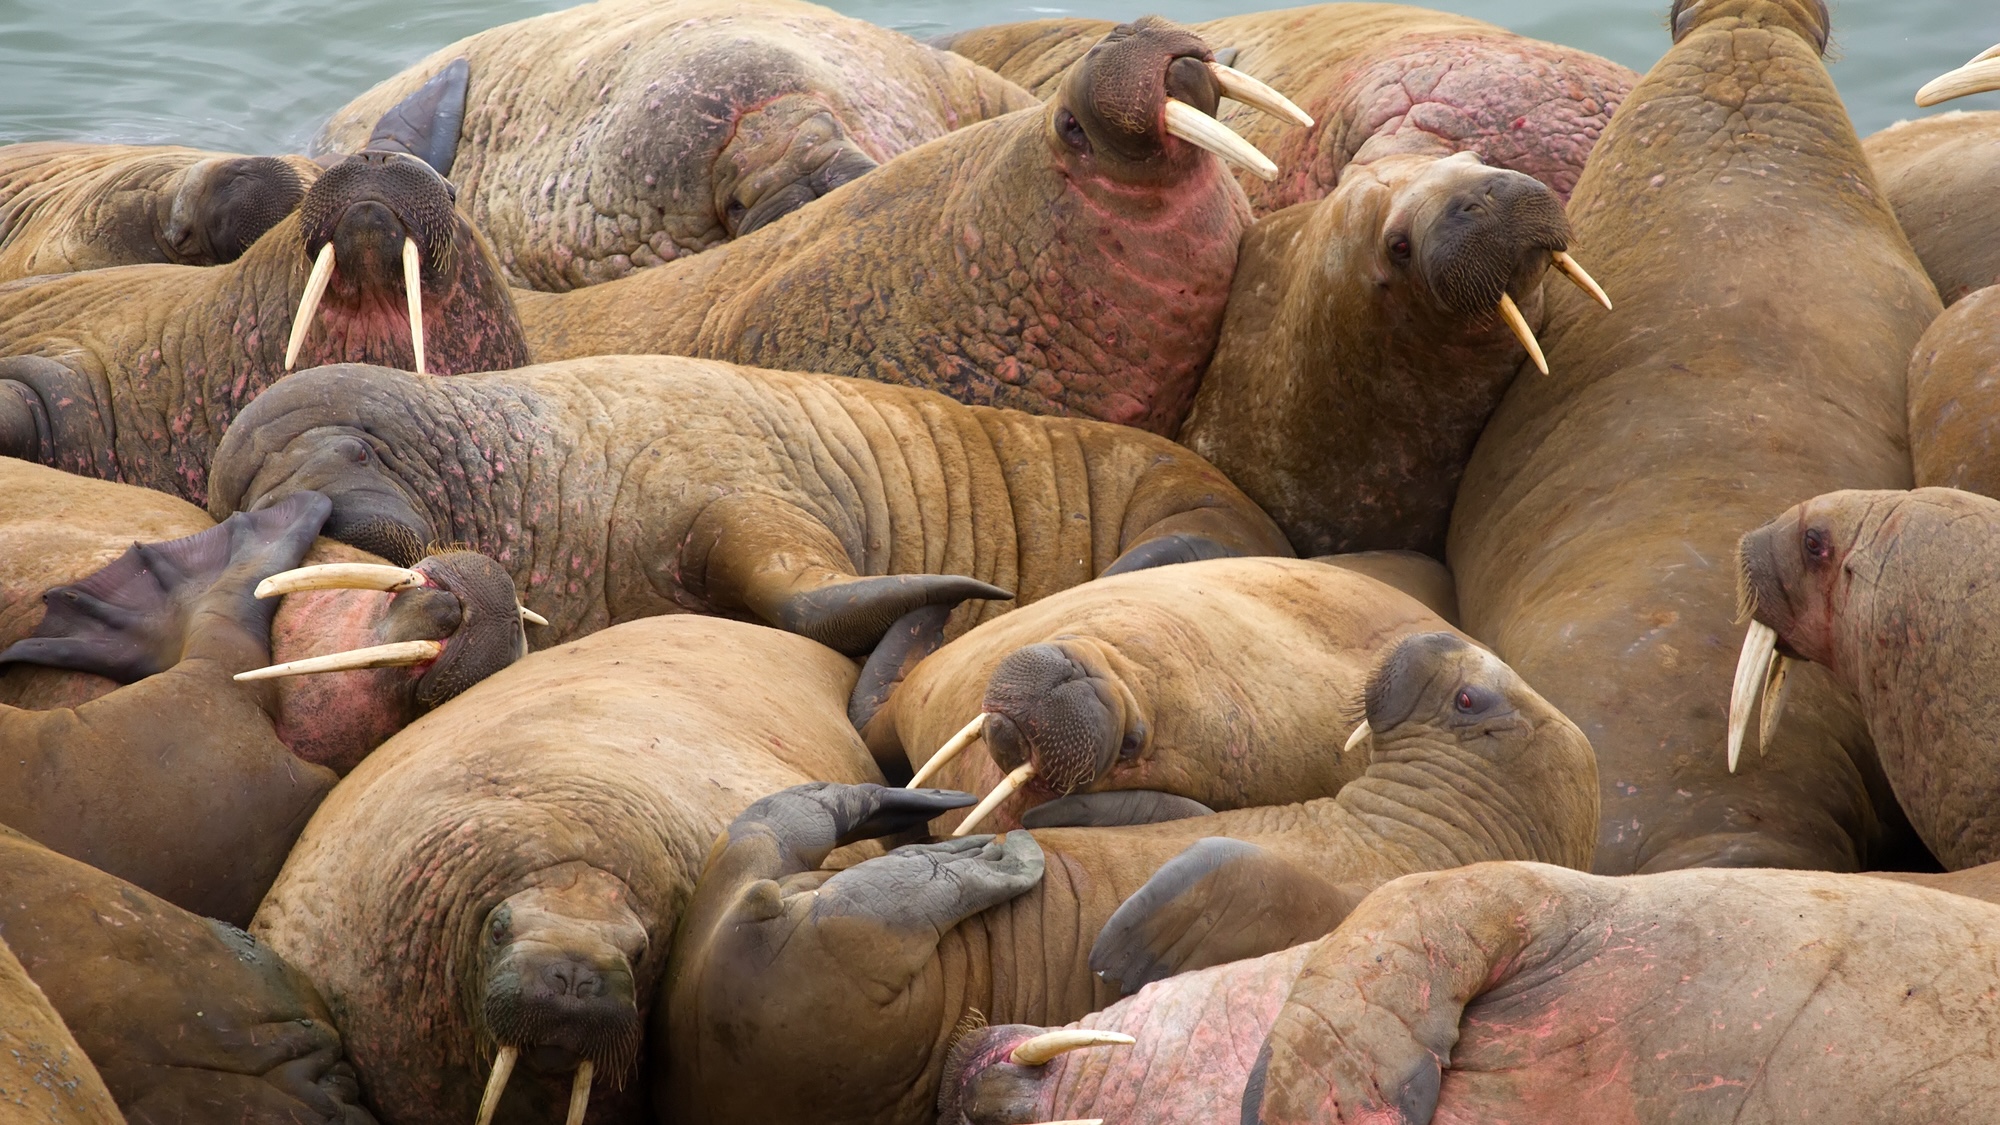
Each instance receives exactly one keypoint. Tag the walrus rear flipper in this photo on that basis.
(1116, 808)
(914, 636)
(426, 124)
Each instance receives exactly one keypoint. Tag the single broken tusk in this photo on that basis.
(413, 292)
(1044, 1048)
(579, 1092)
(342, 576)
(1760, 647)
(1774, 702)
(322, 272)
(1575, 272)
(1008, 785)
(1360, 733)
(398, 654)
(1976, 77)
(1511, 313)
(496, 1083)
(949, 750)
(1202, 131)
(531, 617)
(1255, 94)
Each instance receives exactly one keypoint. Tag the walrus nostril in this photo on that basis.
(1048, 709)
(568, 978)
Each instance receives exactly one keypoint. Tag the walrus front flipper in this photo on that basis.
(426, 124)
(136, 617)
(1221, 900)
(888, 912)
(914, 636)
(1115, 808)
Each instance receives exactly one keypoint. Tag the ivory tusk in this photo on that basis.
(1360, 734)
(322, 272)
(1044, 1048)
(1760, 647)
(949, 750)
(531, 617)
(1774, 701)
(1202, 131)
(413, 292)
(399, 654)
(1255, 94)
(1008, 785)
(579, 1092)
(1575, 272)
(1511, 313)
(1976, 77)
(342, 576)
(496, 1083)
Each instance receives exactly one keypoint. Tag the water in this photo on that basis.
(260, 75)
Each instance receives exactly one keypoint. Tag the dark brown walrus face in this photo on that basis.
(222, 205)
(1110, 116)
(1063, 707)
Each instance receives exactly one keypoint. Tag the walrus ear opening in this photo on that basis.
(426, 124)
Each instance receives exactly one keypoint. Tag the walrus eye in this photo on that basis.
(499, 931)
(734, 213)
(1464, 701)
(1819, 545)
(1129, 749)
(1399, 248)
(1071, 131)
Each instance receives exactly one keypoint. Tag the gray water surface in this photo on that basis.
(260, 75)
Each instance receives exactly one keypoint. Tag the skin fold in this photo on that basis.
(1594, 528)
(552, 819)
(1377, 79)
(1940, 174)
(1067, 259)
(1522, 992)
(619, 135)
(1954, 385)
(44, 1075)
(187, 1018)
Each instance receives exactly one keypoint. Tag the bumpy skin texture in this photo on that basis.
(1955, 397)
(625, 754)
(622, 134)
(187, 1018)
(1232, 682)
(1523, 992)
(1593, 532)
(1068, 259)
(622, 487)
(67, 206)
(45, 1078)
(1942, 175)
(1377, 79)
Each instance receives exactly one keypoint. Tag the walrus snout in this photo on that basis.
(1057, 707)
(1491, 232)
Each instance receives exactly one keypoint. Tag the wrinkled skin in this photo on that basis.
(627, 486)
(1942, 175)
(187, 1018)
(44, 1076)
(1230, 682)
(551, 821)
(1377, 79)
(1363, 348)
(66, 207)
(619, 135)
(900, 950)
(1954, 386)
(1068, 259)
(1593, 532)
(1521, 992)
(1894, 594)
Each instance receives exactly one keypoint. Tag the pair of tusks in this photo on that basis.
(1760, 669)
(1205, 132)
(322, 272)
(953, 745)
(1511, 312)
(503, 1068)
(1976, 77)
(355, 576)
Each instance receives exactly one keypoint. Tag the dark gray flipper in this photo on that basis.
(1166, 551)
(852, 615)
(806, 822)
(426, 124)
(914, 636)
(923, 890)
(1114, 809)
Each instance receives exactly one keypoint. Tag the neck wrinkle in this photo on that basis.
(1424, 796)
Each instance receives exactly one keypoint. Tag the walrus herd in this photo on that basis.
(711, 562)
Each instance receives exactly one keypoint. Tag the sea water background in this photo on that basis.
(260, 75)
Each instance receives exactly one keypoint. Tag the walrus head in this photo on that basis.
(1807, 17)
(220, 206)
(1062, 707)
(996, 1073)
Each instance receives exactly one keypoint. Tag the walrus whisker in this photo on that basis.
(413, 291)
(1361, 733)
(1511, 313)
(1007, 787)
(342, 576)
(1205, 132)
(496, 1083)
(1760, 648)
(949, 750)
(1574, 270)
(1046, 1047)
(579, 1092)
(398, 654)
(322, 272)
(1975, 77)
(1255, 94)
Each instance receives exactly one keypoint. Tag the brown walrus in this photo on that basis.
(1955, 397)
(44, 1076)
(1942, 175)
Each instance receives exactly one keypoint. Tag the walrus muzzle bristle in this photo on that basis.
(609, 1038)
(1746, 589)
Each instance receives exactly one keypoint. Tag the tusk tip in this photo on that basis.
(531, 617)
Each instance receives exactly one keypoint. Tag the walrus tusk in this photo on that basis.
(398, 654)
(1976, 77)
(949, 750)
(1202, 131)
(531, 617)
(322, 272)
(1044, 1048)
(579, 1092)
(1255, 94)
(1575, 272)
(1774, 701)
(991, 801)
(342, 576)
(1360, 733)
(503, 1065)
(1511, 313)
(1760, 648)
(413, 291)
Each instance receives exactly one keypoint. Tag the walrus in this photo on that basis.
(1955, 397)
(507, 872)
(1942, 175)
(1069, 259)
(899, 951)
(618, 135)
(45, 1077)
(1594, 528)
(186, 1018)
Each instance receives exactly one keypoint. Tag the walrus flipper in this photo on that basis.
(1168, 550)
(133, 618)
(904, 900)
(1114, 808)
(426, 124)
(914, 636)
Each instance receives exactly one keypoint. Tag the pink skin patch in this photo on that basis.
(335, 719)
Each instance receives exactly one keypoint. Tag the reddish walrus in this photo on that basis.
(1594, 533)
